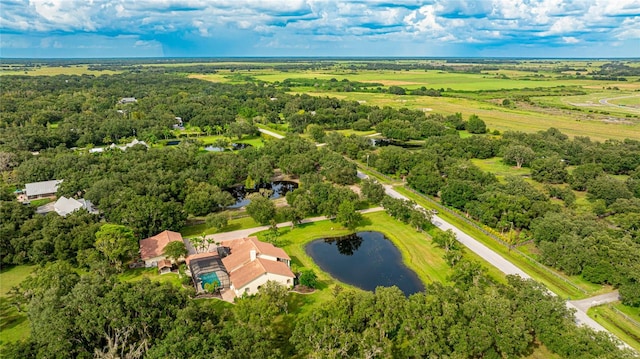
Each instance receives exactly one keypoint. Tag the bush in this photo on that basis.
(308, 278)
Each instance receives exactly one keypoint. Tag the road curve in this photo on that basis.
(605, 101)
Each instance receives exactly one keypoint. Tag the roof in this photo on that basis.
(128, 100)
(64, 205)
(196, 256)
(253, 270)
(40, 188)
(154, 246)
(164, 263)
(241, 251)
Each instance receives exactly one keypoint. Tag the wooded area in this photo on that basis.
(578, 203)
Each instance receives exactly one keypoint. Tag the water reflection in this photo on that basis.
(366, 260)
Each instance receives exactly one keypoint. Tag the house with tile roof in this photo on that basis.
(251, 263)
(152, 248)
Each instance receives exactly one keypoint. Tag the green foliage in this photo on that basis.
(347, 215)
(261, 209)
(217, 220)
(549, 170)
(475, 125)
(426, 178)
(584, 174)
(175, 250)
(630, 294)
(117, 243)
(372, 191)
(203, 198)
(308, 278)
(608, 189)
(316, 132)
(518, 155)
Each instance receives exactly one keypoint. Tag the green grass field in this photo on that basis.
(627, 330)
(14, 325)
(497, 167)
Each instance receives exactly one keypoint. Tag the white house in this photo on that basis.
(126, 100)
(64, 205)
(44, 189)
(252, 263)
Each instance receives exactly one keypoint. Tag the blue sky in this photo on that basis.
(225, 28)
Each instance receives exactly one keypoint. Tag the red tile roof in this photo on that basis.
(154, 246)
(241, 251)
(164, 263)
(253, 270)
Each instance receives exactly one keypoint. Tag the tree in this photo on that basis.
(261, 209)
(347, 215)
(446, 240)
(583, 174)
(426, 178)
(549, 170)
(175, 250)
(117, 243)
(316, 132)
(475, 125)
(519, 155)
(212, 287)
(372, 191)
(217, 220)
(608, 189)
(308, 278)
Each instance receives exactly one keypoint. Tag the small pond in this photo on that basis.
(279, 188)
(366, 260)
(172, 143)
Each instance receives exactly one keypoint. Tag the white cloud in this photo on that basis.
(353, 21)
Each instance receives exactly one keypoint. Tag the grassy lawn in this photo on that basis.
(548, 277)
(498, 168)
(40, 202)
(14, 325)
(132, 275)
(617, 324)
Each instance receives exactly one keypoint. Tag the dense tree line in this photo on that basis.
(96, 315)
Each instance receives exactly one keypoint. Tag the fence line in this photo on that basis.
(625, 316)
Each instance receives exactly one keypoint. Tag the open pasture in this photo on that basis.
(502, 118)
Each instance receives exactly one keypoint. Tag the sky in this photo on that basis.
(319, 28)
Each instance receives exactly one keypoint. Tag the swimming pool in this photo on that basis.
(209, 278)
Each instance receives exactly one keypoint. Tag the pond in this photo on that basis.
(366, 260)
(279, 188)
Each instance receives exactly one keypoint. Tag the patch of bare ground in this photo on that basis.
(302, 289)
(618, 120)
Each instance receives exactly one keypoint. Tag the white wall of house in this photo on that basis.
(267, 257)
(153, 262)
(252, 287)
